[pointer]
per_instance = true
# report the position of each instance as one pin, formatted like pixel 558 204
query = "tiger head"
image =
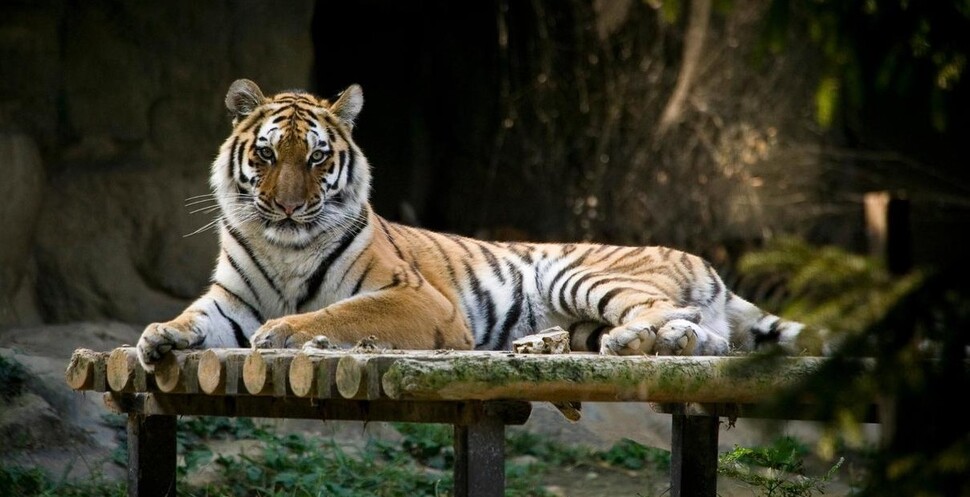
pixel 290 168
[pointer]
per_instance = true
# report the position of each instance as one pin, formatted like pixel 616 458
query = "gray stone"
pixel 112 246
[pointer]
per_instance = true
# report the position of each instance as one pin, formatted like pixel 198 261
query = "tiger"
pixel 304 257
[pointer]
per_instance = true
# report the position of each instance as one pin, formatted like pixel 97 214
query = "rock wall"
pixel 110 113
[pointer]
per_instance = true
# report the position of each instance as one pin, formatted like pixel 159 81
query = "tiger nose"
pixel 288 206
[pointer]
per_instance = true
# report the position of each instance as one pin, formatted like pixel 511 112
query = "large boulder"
pixel 22 192
pixel 115 112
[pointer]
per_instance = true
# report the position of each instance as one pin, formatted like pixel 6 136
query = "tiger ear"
pixel 243 97
pixel 349 104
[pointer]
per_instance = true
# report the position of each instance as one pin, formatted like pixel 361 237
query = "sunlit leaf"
pixel 826 101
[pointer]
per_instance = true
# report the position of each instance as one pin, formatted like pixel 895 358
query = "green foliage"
pixel 429 444
pixel 34 482
pixel 632 455
pixel 825 286
pixel 775 471
pixel 549 452
pixel 295 465
pixel 13 376
pixel 219 428
pixel 913 326
pixel 785 453
pixel 879 49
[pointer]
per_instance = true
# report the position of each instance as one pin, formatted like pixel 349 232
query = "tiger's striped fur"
pixel 302 254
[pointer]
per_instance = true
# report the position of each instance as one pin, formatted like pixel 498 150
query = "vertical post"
pixel 480 458
pixel 693 456
pixel 151 456
pixel 887 219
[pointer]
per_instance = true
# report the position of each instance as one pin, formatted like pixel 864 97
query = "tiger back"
pixel 302 256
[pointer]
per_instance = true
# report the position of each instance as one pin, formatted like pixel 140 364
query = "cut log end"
pixel 302 375
pixel 80 371
pixel 121 369
pixel 256 373
pixel 349 377
pixel 212 373
pixel 167 373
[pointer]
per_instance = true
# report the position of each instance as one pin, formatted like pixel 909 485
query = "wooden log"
pixel 220 371
pixel 121 367
pixel 313 374
pixel 178 373
pixel 591 377
pixel 86 370
pixel 358 376
pixel 265 372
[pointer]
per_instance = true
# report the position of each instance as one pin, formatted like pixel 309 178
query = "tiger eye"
pixel 265 153
pixel 317 155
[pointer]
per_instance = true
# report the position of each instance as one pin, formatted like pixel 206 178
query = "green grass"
pixel 292 465
pixel 417 465
pixel 34 482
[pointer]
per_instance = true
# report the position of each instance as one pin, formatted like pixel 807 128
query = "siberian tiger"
pixel 302 254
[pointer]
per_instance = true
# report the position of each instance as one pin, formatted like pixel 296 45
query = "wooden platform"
pixel 478 392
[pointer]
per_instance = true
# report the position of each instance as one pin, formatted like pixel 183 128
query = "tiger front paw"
pixel 677 337
pixel 633 339
pixel 279 334
pixel 159 338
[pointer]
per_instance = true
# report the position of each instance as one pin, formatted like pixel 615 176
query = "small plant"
pixel 776 470
pixel 631 455
pixel 429 444
pixel 549 452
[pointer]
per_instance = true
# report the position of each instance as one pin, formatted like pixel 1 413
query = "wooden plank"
pixel 510 413
pixel 477 375
pixel 693 456
pixel 595 378
pixel 151 456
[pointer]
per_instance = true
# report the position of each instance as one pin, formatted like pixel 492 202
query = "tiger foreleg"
pixel 217 319
pixel 182 332
pixel 399 318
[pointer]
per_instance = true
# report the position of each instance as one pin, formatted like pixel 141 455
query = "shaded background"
pixel 711 126
pixel 511 120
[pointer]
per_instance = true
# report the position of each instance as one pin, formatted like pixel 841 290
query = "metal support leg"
pixel 151 456
pixel 693 456
pixel 480 458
